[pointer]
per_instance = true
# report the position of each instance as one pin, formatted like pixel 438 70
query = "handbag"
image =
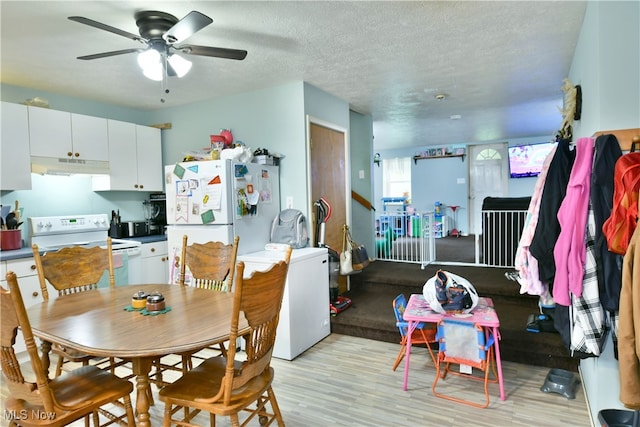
pixel 354 257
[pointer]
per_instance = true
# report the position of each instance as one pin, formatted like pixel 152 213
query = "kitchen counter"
pixel 26 252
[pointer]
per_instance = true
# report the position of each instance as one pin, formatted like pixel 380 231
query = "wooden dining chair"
pixel 424 333
pixel 464 344
pixel 71 270
pixel 224 386
pixel 77 394
pixel 210 266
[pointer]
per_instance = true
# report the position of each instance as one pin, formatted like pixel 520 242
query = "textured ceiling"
pixel 499 64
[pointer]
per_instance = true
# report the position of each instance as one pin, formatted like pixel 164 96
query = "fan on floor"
pixel 160 34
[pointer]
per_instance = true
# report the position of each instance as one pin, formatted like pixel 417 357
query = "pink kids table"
pixel 483 314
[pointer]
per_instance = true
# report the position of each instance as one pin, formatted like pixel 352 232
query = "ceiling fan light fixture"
pixel 180 65
pixel 149 58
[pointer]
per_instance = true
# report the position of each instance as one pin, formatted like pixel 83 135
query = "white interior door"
pixel 488 174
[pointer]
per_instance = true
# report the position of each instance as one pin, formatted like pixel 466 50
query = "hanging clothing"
pixel 602 187
pixel 570 250
pixel 525 263
pixel 548 227
pixel 620 225
pixel 629 325
pixel 587 315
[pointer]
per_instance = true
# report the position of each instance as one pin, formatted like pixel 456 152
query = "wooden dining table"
pixel 97 323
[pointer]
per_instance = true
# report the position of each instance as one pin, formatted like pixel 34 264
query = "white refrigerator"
pixel 218 199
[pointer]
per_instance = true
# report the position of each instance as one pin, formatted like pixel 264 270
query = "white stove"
pixel 55 232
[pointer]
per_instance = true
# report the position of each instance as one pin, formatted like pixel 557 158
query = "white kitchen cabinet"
pixel 149 158
pixel 304 315
pixel 135 158
pixel 27 275
pixel 89 137
pixel 60 134
pixel 155 262
pixel 15 160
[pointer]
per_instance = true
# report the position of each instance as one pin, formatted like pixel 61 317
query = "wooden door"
pixel 328 181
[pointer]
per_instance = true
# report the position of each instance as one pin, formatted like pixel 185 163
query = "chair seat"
pixel 71 354
pixel 204 381
pixel 87 387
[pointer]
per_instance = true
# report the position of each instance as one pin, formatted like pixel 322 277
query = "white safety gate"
pixel 404 237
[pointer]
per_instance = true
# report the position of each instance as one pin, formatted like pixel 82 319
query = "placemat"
pixel 146 312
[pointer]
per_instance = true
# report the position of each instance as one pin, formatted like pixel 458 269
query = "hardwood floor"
pixel 348 381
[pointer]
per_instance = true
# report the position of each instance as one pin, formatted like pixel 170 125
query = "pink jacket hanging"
pixel 570 251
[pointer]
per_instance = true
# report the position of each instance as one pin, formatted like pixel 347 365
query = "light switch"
pixel 361 174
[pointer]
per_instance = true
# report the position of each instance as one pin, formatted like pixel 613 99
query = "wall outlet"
pixel 289 202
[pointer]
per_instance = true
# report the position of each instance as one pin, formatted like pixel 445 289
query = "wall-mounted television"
pixel 526 160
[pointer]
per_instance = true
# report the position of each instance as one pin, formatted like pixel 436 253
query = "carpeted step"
pixel 371 314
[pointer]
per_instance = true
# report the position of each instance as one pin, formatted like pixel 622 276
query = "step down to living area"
pixel 371 314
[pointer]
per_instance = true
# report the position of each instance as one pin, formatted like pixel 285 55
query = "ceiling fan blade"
pixel 216 52
pixel 105 27
pixel 186 27
pixel 107 54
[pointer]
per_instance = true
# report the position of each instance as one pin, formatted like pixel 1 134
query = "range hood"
pixel 66 166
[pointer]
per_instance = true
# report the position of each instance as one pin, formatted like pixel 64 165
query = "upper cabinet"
pixel 15 167
pixel 135 158
pixel 61 134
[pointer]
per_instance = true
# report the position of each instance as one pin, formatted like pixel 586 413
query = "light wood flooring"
pixel 348 381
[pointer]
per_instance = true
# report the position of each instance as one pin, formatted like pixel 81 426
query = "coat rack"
pixel 626 137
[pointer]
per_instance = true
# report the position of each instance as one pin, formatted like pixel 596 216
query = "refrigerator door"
pixel 195 234
pixel 199 193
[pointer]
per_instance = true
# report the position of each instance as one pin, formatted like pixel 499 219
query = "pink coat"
pixel 570 250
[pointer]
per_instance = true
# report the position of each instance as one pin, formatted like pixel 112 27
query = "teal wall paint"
pixel 363 220
pixel 19 95
pixel 606 65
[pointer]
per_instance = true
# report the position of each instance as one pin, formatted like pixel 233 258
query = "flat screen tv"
pixel 526 160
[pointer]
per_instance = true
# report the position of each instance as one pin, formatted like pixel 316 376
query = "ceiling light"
pixel 151 64
pixel 456 117
pixel 180 65
pixel 440 97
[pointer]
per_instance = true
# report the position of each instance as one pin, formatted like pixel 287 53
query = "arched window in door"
pixel 488 154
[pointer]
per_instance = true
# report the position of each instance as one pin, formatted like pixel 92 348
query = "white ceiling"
pixel 500 64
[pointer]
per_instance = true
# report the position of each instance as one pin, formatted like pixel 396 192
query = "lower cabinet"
pixel 155 262
pixel 25 270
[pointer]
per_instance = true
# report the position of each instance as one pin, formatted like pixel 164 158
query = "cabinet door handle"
pixel 69 153
pixel 77 154
pixel 153 249
pixel 35 294
pixel 135 185
pixel 141 186
pixel 33 267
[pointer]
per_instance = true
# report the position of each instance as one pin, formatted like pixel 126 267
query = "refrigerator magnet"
pixel 207 217
pixel 179 171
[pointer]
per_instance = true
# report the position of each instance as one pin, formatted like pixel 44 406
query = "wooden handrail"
pixel 364 202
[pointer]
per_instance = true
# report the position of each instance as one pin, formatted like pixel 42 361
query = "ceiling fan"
pixel 161 33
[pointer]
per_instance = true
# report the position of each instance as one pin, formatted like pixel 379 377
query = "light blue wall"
pixel 60 102
pixel 438 180
pixel 363 219
pixel 270 118
pixel 606 65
